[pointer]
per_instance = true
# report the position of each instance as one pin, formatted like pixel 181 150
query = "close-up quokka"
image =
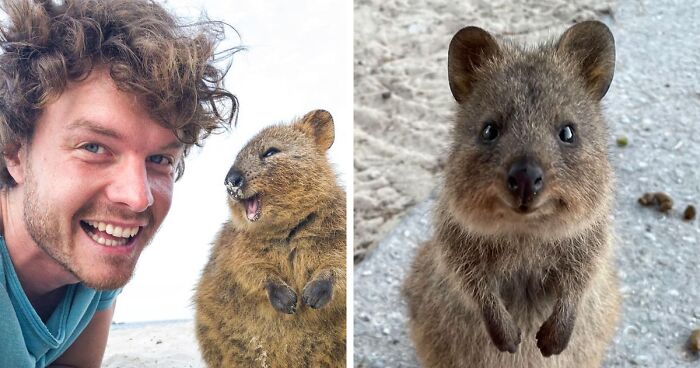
pixel 519 271
pixel 273 292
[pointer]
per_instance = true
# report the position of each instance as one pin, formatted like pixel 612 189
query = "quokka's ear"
pixel 469 49
pixel 592 45
pixel 318 124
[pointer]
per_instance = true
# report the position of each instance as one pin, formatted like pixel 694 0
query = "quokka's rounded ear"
pixel 592 45
pixel 318 124
pixel 469 49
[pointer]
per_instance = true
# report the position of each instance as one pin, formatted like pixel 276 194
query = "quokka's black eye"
pixel 489 133
pixel 566 134
pixel 270 151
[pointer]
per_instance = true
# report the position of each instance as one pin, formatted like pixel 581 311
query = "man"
pixel 100 100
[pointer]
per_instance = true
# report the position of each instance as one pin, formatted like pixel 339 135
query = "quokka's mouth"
pixel 520 208
pixel 253 207
pixel 525 209
pixel 534 209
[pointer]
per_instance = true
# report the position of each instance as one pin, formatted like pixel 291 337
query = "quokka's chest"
pixel 529 295
pixel 295 262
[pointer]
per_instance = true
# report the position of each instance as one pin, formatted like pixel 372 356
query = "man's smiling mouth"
pixel 108 234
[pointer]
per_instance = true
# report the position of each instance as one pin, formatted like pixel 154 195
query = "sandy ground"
pixel 159 344
pixel 403 104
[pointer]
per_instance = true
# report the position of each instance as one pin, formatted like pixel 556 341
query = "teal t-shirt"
pixel 25 340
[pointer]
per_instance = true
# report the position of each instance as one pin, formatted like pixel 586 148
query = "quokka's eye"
pixel 270 151
pixel 489 133
pixel 566 134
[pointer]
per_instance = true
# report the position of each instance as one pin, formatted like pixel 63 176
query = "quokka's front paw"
pixel 507 338
pixel 282 298
pixel 553 336
pixel 503 331
pixel 317 293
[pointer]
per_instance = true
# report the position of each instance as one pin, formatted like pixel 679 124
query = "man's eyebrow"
pixel 174 145
pixel 94 127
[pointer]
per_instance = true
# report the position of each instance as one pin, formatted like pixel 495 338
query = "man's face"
pixel 97 180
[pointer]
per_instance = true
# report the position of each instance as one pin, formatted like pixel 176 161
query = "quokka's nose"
pixel 525 180
pixel 234 178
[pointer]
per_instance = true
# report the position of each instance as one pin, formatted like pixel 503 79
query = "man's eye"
pixel 94 148
pixel 160 160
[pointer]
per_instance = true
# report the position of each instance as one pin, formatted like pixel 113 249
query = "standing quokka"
pixel 519 271
pixel 273 292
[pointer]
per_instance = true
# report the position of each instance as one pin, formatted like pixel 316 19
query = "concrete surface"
pixel 654 102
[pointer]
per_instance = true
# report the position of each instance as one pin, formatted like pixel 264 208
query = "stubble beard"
pixel 45 229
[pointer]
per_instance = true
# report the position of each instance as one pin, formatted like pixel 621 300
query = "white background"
pixel 298 58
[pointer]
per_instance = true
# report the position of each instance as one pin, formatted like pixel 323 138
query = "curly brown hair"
pixel 172 66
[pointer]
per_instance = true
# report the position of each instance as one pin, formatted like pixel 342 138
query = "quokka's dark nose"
pixel 234 178
pixel 525 180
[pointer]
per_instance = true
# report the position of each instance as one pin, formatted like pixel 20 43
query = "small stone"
pixel 386 95
pixel 694 341
pixel 622 141
pixel 642 360
pixel 689 213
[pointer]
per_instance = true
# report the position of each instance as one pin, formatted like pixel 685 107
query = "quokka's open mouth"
pixel 253 207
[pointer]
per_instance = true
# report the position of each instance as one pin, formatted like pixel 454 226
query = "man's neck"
pixel 42 278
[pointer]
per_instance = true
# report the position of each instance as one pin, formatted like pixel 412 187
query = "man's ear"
pixel 318 124
pixel 15 155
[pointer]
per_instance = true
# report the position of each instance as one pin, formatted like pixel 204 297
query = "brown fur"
pixel 297 244
pixel 496 287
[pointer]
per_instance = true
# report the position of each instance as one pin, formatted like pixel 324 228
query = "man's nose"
pixel 130 186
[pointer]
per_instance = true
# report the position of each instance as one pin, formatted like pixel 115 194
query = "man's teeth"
pixel 116 231
pixel 108 242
